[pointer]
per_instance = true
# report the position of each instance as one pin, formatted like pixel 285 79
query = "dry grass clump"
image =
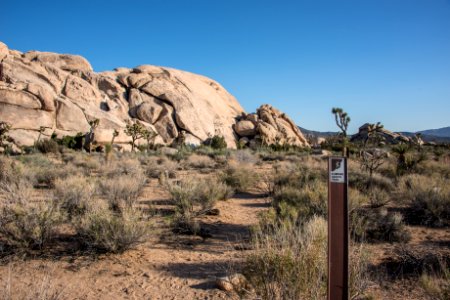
pixel 122 190
pixel 428 200
pixel 75 194
pixel 25 223
pixel 109 231
pixel 239 177
pixel 200 162
pixel 192 199
pixel 436 284
pixel 290 262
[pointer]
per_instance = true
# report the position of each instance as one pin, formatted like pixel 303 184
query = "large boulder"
pixel 62 93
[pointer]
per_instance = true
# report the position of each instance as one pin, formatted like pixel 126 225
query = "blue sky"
pixel 381 60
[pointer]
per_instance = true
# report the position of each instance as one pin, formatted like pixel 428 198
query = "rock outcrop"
pixel 388 136
pixel 268 126
pixel 61 94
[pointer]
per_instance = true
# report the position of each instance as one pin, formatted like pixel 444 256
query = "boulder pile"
pixel 44 93
pixel 268 126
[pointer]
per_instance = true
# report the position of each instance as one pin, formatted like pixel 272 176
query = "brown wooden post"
pixel 337 229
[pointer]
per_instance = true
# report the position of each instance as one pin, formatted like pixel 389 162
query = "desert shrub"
pixel 193 199
pixel 122 190
pixel 363 182
pixel 200 161
pixel 302 204
pixel 25 223
pixel 47 146
pixel 239 177
pixel 428 200
pixel 377 225
pixel 88 163
pixel 74 193
pixel 124 166
pixel 290 262
pixel 156 166
pixel 108 231
pixel 47 176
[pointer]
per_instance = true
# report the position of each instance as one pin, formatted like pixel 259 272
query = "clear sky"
pixel 381 60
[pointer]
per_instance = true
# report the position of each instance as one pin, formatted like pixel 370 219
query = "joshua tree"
pixel 370 157
pixel 342 119
pixel 89 138
pixel 109 147
pixel 136 130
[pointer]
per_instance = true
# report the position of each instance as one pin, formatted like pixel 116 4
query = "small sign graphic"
pixel 337 172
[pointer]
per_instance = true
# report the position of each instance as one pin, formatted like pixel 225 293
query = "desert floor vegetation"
pixel 169 223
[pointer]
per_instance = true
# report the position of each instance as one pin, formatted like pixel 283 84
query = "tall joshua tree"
pixel 136 131
pixel 342 119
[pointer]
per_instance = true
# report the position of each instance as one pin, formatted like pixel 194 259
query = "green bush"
pixel 218 142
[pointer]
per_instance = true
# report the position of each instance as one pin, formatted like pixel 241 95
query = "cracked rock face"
pixel 62 93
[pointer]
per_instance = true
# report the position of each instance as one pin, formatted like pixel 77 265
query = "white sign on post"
pixel 337 171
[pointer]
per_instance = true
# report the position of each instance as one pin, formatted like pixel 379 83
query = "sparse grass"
pixel 105 230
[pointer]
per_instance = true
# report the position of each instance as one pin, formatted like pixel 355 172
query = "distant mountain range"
pixel 441 135
pixel 441 132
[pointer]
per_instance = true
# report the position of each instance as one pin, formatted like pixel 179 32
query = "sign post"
pixel 337 229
